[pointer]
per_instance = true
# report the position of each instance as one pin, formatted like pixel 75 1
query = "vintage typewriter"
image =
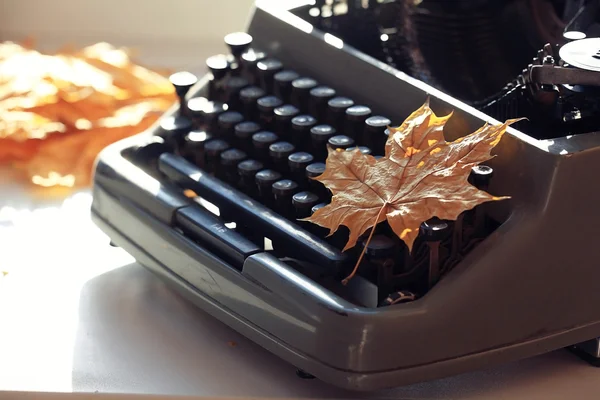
pixel 210 198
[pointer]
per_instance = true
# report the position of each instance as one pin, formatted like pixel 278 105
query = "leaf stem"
pixel 362 254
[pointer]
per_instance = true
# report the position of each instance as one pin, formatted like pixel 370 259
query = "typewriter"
pixel 210 198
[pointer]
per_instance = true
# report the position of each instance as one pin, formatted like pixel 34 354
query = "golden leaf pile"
pixel 421 176
pixel 58 111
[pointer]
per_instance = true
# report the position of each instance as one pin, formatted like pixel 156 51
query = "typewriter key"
pixel 300 134
pixel 213 150
pixel 243 134
pixel 248 64
pixel 283 191
pixel 363 149
pixel 301 88
pixel 282 84
pixel 205 113
pixel 227 122
pixel 233 86
pixel 183 82
pixel 312 171
pixel 297 163
pixel 247 171
pixel 229 162
pixel 340 142
pixel 173 130
pixel 264 181
pixel 261 142
pixel 355 119
pixel 266 107
pixel 320 134
pixel 336 110
pixel 279 152
pixel 218 66
pixel 266 70
pixel 248 97
pixel 374 133
pixel 317 102
pixel 238 43
pixel 283 119
pixel 193 147
pixel 433 232
pixel 303 203
pixel 480 176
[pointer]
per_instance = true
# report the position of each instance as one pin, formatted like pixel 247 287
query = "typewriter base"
pixel 353 380
pixel 588 351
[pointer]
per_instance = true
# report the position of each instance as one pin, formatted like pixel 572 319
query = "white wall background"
pixel 167 33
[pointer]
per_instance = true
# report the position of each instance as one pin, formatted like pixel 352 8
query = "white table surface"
pixel 77 315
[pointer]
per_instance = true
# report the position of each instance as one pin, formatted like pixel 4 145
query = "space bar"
pixel 298 243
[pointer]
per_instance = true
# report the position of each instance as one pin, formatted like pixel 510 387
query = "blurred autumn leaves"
pixel 57 111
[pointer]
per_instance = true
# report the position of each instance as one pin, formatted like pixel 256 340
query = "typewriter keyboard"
pixel 248 144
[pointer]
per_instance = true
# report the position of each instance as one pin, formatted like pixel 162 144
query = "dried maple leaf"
pixel 421 176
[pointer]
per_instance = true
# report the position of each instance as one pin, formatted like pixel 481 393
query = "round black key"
pixel 279 152
pixel 218 66
pixel 245 130
pixel 249 168
pixel 379 247
pixel 336 110
pixel 284 189
pixel 205 112
pixel 434 230
pixel 265 70
pixel 232 157
pixel 355 121
pixel 233 86
pixel 315 169
pixel 301 126
pixel 317 207
pixel 213 150
pixel 238 43
pixel 183 82
pixel 303 202
pixel 282 84
pixel 299 161
pixel 283 118
pixel 340 104
pixel 243 134
pixel 264 139
pixel 312 171
pixel 340 142
pixel 377 124
pixel 174 128
pixel 322 133
pixel 267 104
pixel 265 180
pixel 374 134
pixel 227 122
pixel 480 176
pixel 229 163
pixel 193 146
pixel 248 62
pixel 358 113
pixel 215 147
pixel 248 97
pixel 301 88
pixel 317 101
pixel 285 112
pixel 363 149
